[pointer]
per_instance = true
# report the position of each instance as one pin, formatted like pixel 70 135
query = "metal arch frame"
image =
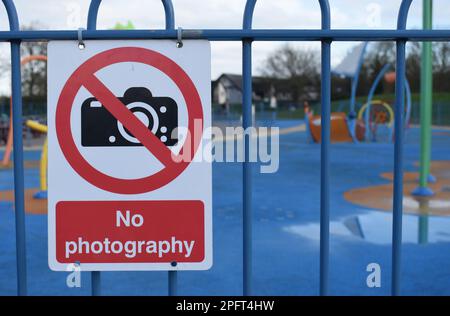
pixel 398 150
pixel 247 121
pixel 368 136
pixel 247 35
pixel 19 195
pixel 354 87
pixel 95 5
pixel 355 79
pixel 407 118
pixel 370 97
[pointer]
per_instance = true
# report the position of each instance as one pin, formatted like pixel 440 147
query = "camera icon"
pixel 99 128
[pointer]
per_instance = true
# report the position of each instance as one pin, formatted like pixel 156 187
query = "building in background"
pixel 227 92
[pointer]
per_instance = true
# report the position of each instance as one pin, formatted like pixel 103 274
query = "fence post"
pixel 398 151
pixel 92 25
pixel 170 25
pixel 325 152
pixel 247 122
pixel 19 202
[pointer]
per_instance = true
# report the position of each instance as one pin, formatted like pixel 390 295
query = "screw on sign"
pixel 110 100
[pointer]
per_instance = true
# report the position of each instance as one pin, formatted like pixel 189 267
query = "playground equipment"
pixel 42 194
pixel 9 140
pixel 374 120
pixel 426 102
pixel 381 115
pixel 9 143
pixel 339 128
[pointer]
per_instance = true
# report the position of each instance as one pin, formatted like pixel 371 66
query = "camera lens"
pixel 146 114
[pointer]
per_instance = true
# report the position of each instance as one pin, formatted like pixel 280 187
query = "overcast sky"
pixel 226 56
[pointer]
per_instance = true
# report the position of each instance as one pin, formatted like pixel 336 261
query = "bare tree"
pixel 34 73
pixel 441 67
pixel 379 54
pixel 413 65
pixel 299 67
pixel 442 57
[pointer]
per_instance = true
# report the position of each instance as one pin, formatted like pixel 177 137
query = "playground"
pixel 360 182
pixel 286 210
pixel 286 213
pixel 286 226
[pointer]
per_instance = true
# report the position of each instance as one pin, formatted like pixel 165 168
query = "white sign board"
pixel 129 166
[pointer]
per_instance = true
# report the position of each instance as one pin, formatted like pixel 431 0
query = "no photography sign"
pixel 127 120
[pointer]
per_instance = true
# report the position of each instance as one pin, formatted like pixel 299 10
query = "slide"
pixel 340 132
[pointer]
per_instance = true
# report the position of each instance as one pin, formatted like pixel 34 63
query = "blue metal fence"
pixel 246 35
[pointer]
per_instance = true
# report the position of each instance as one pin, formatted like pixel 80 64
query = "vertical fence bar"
pixel 398 151
pixel 92 14
pixel 95 283
pixel 325 152
pixel 19 202
pixel 172 286
pixel 92 25
pixel 247 122
pixel 170 24
pixel 169 14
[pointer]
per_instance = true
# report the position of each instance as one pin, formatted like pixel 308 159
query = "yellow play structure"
pixel 43 164
pixel 379 119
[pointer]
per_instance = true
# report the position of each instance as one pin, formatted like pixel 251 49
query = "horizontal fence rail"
pixel 312 35
pixel 246 35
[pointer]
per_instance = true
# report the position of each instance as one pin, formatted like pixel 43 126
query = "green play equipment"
pixel 120 26
pixel 426 102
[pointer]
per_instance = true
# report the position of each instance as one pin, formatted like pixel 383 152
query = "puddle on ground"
pixel 409 202
pixel 376 228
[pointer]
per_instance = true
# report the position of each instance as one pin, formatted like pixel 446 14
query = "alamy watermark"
pixel 231 144
pixel 373 11
pixel 73 279
pixel 74 16
pixel 374 278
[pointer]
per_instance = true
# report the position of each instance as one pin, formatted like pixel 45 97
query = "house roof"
pixel 258 82
pixel 236 80
pixel 261 85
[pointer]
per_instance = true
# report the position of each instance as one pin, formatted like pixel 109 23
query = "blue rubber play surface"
pixel 285 232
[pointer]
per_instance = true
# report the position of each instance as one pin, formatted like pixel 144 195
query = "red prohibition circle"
pixel 78 79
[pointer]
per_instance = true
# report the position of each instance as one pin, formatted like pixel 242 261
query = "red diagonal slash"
pixel 128 119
